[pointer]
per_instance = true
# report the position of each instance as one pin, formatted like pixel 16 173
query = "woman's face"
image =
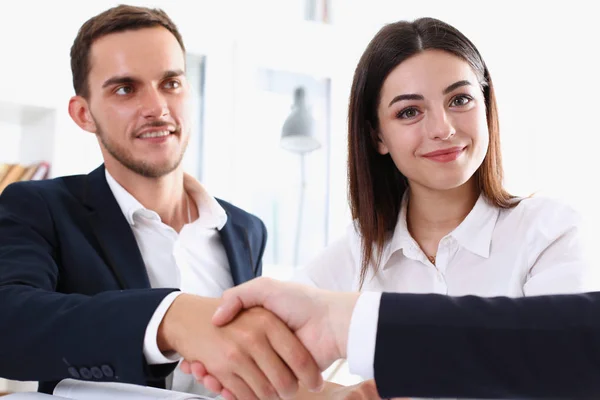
pixel 432 120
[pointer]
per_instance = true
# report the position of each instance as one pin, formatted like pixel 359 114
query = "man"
pixel 435 345
pixel 89 264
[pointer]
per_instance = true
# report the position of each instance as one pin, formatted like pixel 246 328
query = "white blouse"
pixel 534 248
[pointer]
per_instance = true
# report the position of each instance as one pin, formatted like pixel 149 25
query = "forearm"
pixel 496 348
pixel 51 332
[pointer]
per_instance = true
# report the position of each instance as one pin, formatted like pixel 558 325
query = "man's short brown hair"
pixel 116 19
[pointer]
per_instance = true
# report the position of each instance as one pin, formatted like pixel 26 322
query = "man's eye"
pixel 173 84
pixel 123 90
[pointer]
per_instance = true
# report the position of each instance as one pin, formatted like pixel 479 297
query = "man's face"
pixel 139 100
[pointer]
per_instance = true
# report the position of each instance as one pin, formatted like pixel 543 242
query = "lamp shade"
pixel 297 134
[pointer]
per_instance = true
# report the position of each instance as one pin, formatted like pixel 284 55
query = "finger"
pixel 227 395
pixel 246 375
pixel 248 295
pixel 254 377
pixel 212 384
pixel 185 367
pixel 229 308
pixel 239 389
pixel 295 356
pixel 274 368
pixel 198 369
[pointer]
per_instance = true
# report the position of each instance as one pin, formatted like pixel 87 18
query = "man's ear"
pixel 79 111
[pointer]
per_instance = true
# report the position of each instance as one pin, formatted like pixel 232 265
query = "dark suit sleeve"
pixel 263 244
pixel 535 347
pixel 46 335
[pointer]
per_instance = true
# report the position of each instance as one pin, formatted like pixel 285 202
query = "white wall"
pixel 10 137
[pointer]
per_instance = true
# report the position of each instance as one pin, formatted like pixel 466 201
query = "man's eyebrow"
pixel 119 80
pixel 126 79
pixel 173 73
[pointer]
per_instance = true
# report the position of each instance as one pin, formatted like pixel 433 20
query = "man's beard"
pixel 140 167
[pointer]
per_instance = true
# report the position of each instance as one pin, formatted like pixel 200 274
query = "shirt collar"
pixel 401 238
pixel 211 214
pixel 128 204
pixel 474 233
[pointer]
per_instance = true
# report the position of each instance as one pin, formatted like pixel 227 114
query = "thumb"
pixel 248 295
pixel 229 308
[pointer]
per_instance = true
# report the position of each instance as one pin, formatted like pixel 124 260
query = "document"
pixel 32 396
pixel 71 389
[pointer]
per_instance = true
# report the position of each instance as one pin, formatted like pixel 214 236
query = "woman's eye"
pixel 408 113
pixel 461 100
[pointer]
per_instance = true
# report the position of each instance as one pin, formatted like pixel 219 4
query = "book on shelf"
pixel 10 173
pixel 71 389
pixel 3 170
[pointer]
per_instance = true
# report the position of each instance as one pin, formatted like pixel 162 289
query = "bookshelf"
pixel 27 133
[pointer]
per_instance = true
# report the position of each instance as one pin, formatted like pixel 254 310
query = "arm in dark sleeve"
pixel 48 336
pixel 470 347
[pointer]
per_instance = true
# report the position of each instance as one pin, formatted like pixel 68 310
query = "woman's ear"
pixel 378 140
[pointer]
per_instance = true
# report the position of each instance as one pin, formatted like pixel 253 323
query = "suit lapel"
pixel 119 247
pixel 237 247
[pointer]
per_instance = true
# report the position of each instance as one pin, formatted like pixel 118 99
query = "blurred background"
pixel 271 81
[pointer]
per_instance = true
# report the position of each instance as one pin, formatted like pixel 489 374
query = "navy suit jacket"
pixel 75 298
pixel 471 347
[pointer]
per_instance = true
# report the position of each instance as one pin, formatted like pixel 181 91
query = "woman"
pixel 425 184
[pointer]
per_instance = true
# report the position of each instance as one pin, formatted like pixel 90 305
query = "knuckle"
pixel 251 338
pixel 301 358
pixel 217 371
pixel 233 354
pixel 286 383
pixel 268 323
pixel 267 391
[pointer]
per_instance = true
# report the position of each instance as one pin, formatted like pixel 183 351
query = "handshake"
pixel 265 339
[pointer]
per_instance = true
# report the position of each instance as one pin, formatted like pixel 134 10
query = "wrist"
pixel 341 307
pixel 166 337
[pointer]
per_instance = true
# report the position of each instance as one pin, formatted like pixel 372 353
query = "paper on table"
pixel 32 396
pixel 83 390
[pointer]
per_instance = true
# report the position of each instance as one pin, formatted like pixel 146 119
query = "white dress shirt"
pixel 193 260
pixel 534 248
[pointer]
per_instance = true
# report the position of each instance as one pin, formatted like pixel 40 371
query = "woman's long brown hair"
pixel 375 185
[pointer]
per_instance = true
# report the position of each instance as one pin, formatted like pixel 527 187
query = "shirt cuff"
pixel 363 334
pixel 151 351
